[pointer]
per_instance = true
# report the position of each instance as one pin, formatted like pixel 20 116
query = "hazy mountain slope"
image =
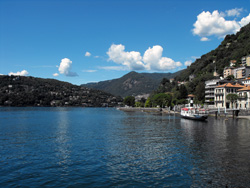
pixel 132 83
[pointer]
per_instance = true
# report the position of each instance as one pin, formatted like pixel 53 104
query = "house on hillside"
pixel 245 61
pixel 233 63
pixel 191 77
pixel 228 71
pixel 241 72
pixel 221 93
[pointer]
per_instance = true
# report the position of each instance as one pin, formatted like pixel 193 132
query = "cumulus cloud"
pixel 244 21
pixel 234 12
pixel 208 24
pixel 188 63
pixel 205 39
pixel 55 74
pixel 151 60
pixel 87 54
pixel 65 68
pixel 131 59
pixel 22 73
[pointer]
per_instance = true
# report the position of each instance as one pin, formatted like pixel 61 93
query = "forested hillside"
pixel 233 47
pixel 30 91
pixel 132 83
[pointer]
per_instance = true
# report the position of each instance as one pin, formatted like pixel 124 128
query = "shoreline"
pixel 166 111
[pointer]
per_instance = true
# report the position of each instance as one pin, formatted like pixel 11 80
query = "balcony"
pixel 219 94
pixel 209 96
pixel 209 91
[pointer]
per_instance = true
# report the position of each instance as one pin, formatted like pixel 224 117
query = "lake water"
pixel 104 147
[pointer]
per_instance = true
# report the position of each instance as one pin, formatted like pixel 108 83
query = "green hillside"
pixel 30 91
pixel 132 83
pixel 233 47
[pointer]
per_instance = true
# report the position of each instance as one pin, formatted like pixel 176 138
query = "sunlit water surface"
pixel 104 147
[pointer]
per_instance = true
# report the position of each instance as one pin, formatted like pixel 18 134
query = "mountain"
pixel 30 91
pixel 132 84
pixel 233 47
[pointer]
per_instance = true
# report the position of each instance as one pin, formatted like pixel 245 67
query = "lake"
pixel 104 147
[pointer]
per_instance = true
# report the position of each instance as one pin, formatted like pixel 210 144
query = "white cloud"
pixel 55 74
pixel 154 60
pixel 188 63
pixel 87 54
pixel 132 59
pixel 116 68
pixel 1 74
pixel 22 73
pixel 151 60
pixel 89 70
pixel 205 39
pixel 65 68
pixel 234 12
pixel 214 23
pixel 244 21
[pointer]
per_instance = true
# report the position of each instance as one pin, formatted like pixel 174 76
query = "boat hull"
pixel 195 117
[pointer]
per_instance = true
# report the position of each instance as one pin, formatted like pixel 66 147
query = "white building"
pixel 246 81
pixel 244 97
pixel 221 93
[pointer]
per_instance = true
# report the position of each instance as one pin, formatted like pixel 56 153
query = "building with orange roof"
pixel 244 97
pixel 222 91
pixel 246 81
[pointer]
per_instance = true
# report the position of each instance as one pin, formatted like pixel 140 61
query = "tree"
pixel 129 101
pixel 138 104
pixel 200 91
pixel 232 98
pixel 148 102
pixel 230 77
pixel 162 99
pixel 182 92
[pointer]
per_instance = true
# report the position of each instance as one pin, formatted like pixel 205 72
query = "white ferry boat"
pixel 194 113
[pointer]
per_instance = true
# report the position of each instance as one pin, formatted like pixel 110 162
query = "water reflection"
pixel 62 140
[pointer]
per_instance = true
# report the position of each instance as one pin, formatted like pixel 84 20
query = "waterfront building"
pixel 210 85
pixel 244 97
pixel 221 93
pixel 246 81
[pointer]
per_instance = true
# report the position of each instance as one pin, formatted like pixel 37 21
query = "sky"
pixel 82 41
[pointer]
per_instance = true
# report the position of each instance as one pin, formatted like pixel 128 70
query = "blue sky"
pixel 81 41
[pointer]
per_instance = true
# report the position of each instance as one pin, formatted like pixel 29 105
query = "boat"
pixel 194 113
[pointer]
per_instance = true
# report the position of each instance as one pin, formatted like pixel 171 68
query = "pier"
pixel 232 112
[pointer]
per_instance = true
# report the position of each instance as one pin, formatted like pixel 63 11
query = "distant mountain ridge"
pixel 132 84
